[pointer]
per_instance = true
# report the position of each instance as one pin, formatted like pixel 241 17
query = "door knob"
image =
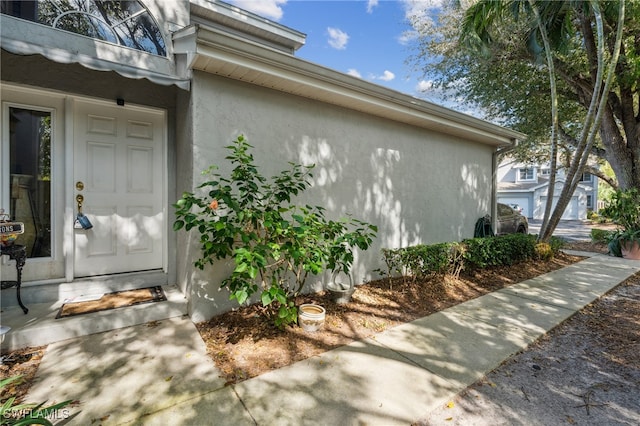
pixel 79 185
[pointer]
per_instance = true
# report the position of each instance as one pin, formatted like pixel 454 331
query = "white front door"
pixel 119 171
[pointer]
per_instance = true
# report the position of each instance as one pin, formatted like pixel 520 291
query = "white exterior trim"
pixel 62 155
pixel 216 51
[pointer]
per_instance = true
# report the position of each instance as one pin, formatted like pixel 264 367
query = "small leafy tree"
pixel 274 243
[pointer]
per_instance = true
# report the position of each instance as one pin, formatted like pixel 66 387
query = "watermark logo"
pixel 37 413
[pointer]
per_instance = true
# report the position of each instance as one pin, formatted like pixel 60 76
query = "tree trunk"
pixel 620 154
pixel 592 123
pixel 554 120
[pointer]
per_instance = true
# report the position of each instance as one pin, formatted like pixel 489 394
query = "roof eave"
pixel 217 52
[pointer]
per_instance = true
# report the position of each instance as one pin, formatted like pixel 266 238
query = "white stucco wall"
pixel 169 18
pixel 415 185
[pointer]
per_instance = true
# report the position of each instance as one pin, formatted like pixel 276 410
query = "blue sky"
pixel 370 39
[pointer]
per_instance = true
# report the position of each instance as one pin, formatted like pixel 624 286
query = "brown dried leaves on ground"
pixel 23 362
pixel 245 344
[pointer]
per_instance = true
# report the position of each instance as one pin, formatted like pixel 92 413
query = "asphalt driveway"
pixel 570 230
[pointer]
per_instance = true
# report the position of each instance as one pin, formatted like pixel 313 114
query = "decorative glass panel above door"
pixel 124 22
pixel 30 177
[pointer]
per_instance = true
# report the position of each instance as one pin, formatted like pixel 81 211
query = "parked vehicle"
pixel 516 207
pixel 511 221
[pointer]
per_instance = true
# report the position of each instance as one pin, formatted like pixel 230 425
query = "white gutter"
pixel 216 51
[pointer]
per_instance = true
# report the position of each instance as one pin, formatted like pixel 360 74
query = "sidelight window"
pixel 30 139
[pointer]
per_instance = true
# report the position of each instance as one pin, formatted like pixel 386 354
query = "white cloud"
pixel 419 7
pixel 420 12
pixel 270 9
pixel 424 86
pixel 337 38
pixel 354 72
pixel 386 76
pixel 371 4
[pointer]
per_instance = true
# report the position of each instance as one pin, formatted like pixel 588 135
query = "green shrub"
pixel 393 261
pixel 600 235
pixel 499 251
pixel 624 209
pixel 274 243
pixel 422 261
pixel 543 251
pixel 556 244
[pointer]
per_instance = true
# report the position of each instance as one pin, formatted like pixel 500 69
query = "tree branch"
pixel 598 173
pixel 572 142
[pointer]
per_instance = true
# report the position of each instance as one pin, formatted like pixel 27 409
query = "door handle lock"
pixel 79 201
pixel 81 222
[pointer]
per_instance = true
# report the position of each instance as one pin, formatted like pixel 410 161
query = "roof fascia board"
pixel 214 51
pixel 245 22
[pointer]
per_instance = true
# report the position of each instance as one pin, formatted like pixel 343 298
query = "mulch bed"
pixel 245 344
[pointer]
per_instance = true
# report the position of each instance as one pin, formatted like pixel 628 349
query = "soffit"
pixel 215 51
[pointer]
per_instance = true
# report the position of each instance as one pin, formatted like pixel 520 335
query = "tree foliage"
pixel 503 73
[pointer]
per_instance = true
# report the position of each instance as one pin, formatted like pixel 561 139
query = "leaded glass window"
pixel 124 22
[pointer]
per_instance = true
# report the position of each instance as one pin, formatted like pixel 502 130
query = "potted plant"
pixel 340 256
pixel 340 291
pixel 624 210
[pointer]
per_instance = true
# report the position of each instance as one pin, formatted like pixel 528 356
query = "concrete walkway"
pixel 159 373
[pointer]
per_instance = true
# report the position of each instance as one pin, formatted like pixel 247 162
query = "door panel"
pixel 118 157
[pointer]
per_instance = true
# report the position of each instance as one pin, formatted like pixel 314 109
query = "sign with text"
pixel 8 228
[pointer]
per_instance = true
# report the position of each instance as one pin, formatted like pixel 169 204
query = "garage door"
pixel 570 213
pixel 522 202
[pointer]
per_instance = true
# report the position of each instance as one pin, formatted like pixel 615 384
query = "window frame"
pixel 5 174
pixel 582 177
pixel 526 170
pixel 144 11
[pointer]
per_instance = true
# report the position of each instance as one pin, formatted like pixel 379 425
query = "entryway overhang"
pixel 22 37
pixel 216 51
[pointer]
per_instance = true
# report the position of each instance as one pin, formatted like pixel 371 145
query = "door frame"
pixel 63 203
pixel 72 113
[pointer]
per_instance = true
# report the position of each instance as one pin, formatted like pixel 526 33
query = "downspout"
pixel 494 181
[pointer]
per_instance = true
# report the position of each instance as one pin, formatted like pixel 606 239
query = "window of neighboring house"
pixel 525 174
pixel 590 202
pixel 586 177
pixel 127 23
pixel 545 172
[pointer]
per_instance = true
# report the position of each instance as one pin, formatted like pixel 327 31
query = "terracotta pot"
pixel 630 249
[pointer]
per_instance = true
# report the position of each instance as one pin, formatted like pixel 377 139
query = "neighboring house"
pixel 127 115
pixel 527 186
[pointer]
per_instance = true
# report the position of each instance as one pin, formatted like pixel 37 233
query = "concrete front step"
pixel 40 326
pixel 49 292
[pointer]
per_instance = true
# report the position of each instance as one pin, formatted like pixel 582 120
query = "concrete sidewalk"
pixel 159 373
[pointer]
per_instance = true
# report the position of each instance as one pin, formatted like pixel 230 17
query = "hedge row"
pixel 423 261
